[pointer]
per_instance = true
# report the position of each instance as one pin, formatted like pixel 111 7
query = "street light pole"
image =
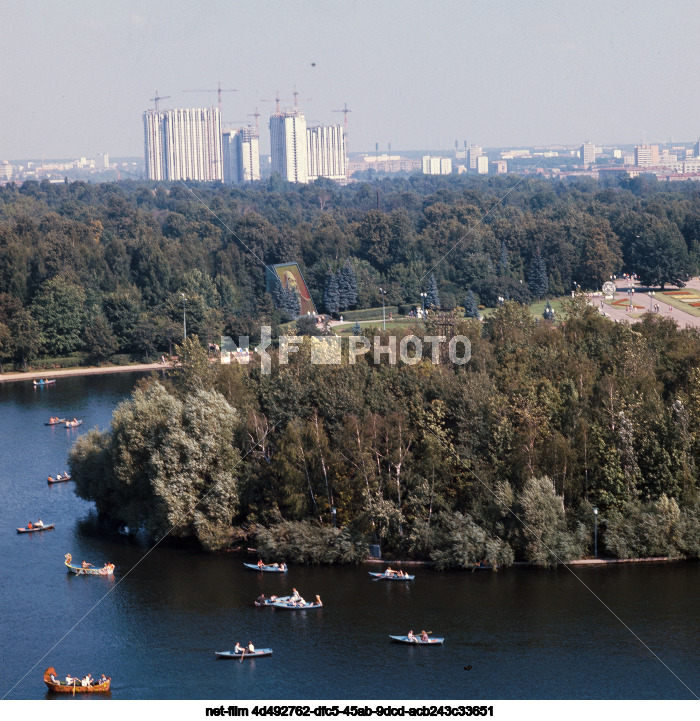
pixel 383 311
pixel 651 302
pixel 184 316
pixel 595 517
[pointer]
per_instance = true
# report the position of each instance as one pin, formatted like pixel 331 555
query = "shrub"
pixel 309 542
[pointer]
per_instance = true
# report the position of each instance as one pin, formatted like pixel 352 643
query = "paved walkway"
pixel 620 315
pixel 62 372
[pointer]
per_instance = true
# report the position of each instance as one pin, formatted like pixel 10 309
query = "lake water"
pixel 527 634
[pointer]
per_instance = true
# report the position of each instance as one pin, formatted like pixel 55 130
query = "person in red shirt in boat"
pixel 260 563
pixel 29 525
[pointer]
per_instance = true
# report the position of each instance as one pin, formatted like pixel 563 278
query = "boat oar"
pixel 241 658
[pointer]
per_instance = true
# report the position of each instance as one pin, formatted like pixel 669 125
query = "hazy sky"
pixel 78 74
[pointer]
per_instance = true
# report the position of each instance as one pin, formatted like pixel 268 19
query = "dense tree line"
pixel 502 458
pixel 102 268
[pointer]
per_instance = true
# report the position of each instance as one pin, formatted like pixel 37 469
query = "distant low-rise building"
pixel 500 167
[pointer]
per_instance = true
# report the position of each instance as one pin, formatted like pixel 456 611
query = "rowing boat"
pixel 417 641
pixel 289 604
pixel 35 529
pixel 390 577
pixel 270 601
pixel 76 687
pixel 73 424
pixel 57 422
pixel 106 570
pixel 266 569
pixel 247 654
pixel 47 382
pixel 59 479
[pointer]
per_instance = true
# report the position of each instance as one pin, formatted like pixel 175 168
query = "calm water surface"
pixel 527 634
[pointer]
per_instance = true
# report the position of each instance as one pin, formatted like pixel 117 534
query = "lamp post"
pixel 651 302
pixel 423 296
pixel 383 293
pixel 184 316
pixel 595 520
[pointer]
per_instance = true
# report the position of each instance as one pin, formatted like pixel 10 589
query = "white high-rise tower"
pixel 288 146
pixel 241 155
pixel 183 144
pixel 326 152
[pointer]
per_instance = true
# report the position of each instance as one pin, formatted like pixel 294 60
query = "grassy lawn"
pixel 670 300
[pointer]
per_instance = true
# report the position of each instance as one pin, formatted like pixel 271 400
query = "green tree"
pixel 659 257
pixel 432 299
pixel 5 344
pixel 471 305
pixel 26 337
pixel 537 277
pixel 347 287
pixel 100 342
pixel 167 465
pixel 59 308
pixel 331 294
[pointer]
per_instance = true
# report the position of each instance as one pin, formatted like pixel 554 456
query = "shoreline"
pixel 527 564
pixel 15 376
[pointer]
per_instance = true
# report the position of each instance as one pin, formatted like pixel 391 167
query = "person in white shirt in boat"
pixel 55 680
pixel 39 523
pixel 250 648
pixel 411 636
pixel 239 648
pixel 389 572
pixel 295 594
pixel 69 680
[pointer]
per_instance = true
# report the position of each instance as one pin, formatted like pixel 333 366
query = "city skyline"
pixel 496 74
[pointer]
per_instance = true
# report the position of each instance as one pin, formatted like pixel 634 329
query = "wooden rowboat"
pixel 417 641
pixel 35 529
pixel 270 602
pixel 106 570
pixel 73 424
pixel 266 569
pixel 58 479
pixel 73 688
pixel 57 422
pixel 289 604
pixel 247 654
pixel 390 577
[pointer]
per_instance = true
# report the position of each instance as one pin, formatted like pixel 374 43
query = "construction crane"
pixel 277 102
pixel 295 93
pixel 345 110
pixel 255 115
pixel 157 99
pixel 218 90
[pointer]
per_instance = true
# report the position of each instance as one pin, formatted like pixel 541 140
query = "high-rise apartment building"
pixel 473 152
pixel 326 152
pixel 587 153
pixel 183 144
pixel 435 165
pixel 646 155
pixel 241 155
pixel 482 165
pixel 288 145
pixel 696 149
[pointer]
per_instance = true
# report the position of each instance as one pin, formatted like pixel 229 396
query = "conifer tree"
pixel 331 294
pixel 433 298
pixel 347 287
pixel 292 304
pixel 471 305
pixel 357 328
pixel 537 277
